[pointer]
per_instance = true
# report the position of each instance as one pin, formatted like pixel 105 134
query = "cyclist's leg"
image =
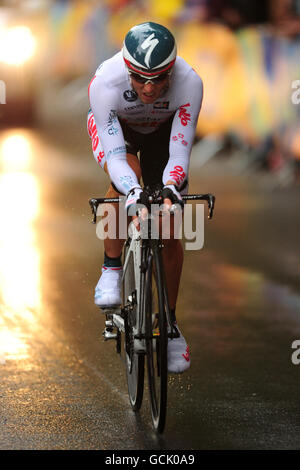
pixel 173 262
pixel 173 252
pixel 154 157
pixel 152 171
pixel 108 288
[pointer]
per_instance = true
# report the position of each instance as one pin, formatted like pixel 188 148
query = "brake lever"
pixel 211 204
pixel 94 206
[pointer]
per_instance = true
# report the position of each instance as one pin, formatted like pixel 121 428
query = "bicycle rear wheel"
pixel 156 339
pixel 134 362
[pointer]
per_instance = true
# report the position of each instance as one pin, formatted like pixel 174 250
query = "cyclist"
pixel 145 99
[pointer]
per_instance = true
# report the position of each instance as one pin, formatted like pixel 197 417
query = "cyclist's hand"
pixel 171 197
pixel 134 205
pixel 132 198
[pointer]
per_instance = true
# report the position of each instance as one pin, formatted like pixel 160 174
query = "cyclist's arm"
pixel 183 131
pixel 104 102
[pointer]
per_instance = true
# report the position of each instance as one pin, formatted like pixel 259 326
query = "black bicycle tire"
pixel 135 380
pixel 158 404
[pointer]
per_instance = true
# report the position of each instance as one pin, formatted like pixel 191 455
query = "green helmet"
pixel 149 49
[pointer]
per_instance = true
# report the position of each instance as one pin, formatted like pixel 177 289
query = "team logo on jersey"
pixel 135 107
pixel 161 105
pixel 184 116
pixel 112 121
pixel 177 174
pixel 130 95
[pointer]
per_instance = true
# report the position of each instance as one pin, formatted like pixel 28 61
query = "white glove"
pixel 132 197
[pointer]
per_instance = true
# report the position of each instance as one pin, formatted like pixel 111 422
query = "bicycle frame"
pixel 135 250
pixel 135 317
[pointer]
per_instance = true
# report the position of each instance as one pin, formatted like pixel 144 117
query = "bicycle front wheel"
pixel 156 339
pixel 134 362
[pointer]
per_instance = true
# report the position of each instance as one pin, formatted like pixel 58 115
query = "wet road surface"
pixel 62 387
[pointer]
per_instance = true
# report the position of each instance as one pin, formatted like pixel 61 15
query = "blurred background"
pixel 247 54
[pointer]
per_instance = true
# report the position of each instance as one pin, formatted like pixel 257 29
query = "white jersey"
pixel 112 99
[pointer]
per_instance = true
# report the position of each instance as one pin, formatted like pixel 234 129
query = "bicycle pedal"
pixel 108 334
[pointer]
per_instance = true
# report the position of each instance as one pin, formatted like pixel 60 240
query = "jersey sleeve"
pixel 103 102
pixel 183 130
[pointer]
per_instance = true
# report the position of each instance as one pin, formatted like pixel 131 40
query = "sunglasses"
pixel 141 79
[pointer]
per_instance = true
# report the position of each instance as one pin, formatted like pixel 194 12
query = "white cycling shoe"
pixel 178 354
pixel 108 289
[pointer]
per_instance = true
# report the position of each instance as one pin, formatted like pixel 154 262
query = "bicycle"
pixel 144 316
